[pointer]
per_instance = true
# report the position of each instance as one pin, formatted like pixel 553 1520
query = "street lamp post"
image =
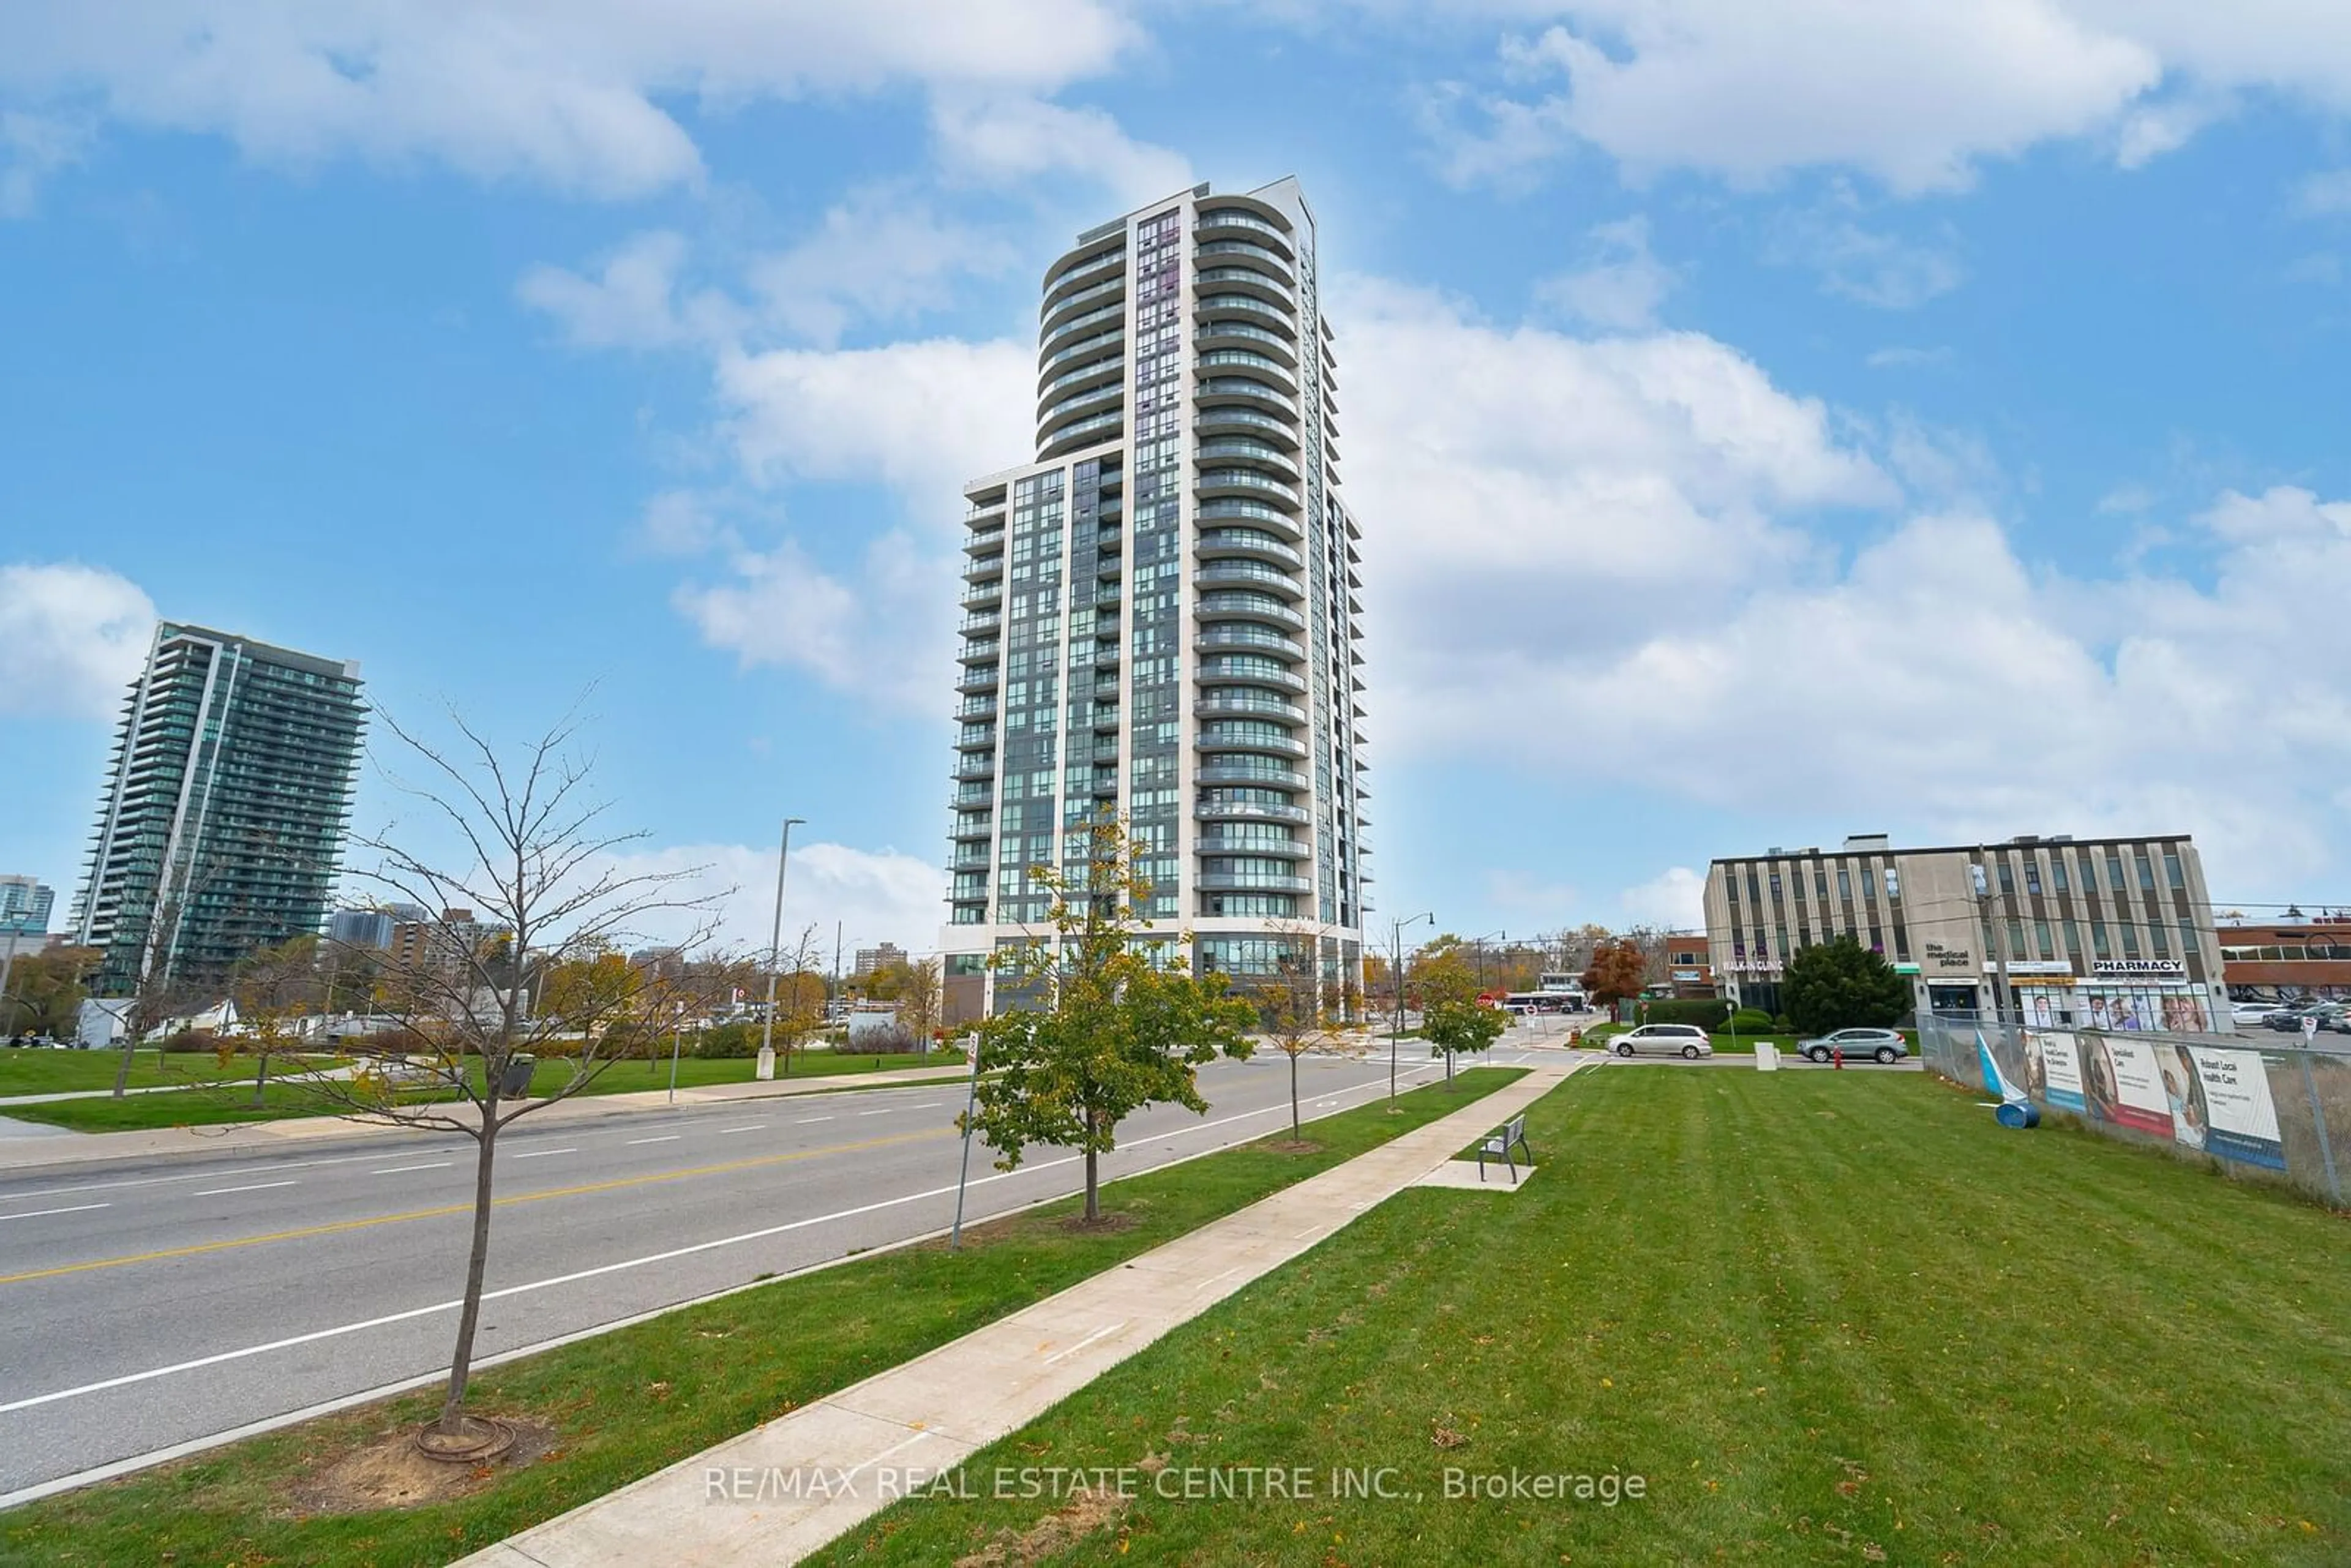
pixel 1395 976
pixel 775 951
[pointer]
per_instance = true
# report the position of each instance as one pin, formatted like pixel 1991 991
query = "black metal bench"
pixel 1499 1144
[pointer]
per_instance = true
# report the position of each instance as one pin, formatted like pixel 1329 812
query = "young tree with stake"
pixel 532 858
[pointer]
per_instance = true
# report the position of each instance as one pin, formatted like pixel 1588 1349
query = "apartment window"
pixel 2189 940
pixel 2057 872
pixel 2032 876
pixel 2098 946
pixel 2158 938
pixel 2173 872
pixel 2130 940
pixel 2006 878
pixel 2015 938
pixel 1844 884
pixel 1821 884
pixel 2115 870
pixel 2073 939
pixel 1893 882
pixel 2040 939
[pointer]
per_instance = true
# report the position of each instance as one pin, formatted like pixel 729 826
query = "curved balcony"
pixel 1229 221
pixel 1246 449
pixel 1263 745
pixel 1110 367
pixel 1216 705
pixel 1282 849
pixel 1232 604
pixel 1063 333
pixel 982 738
pixel 1233 416
pixel 1078 405
pixel 1254 544
pixel 976 767
pixel 1223 332
pixel 1279 522
pixel 1225 253
pixel 1093 250
pixel 982 679
pixel 1245 639
pixel 1249 574
pixel 1249 361
pixel 1249 812
pixel 1085 433
pixel 1241 773
pixel 1251 881
pixel 1085 272
pixel 1246 278
pixel 1094 345
pixel 1225 388
pixel 1245 482
pixel 1055 311
pixel 1249 308
pixel 1227 670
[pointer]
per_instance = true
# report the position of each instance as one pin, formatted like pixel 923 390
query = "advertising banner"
pixel 2223 1105
pixel 2123 1084
pixel 2052 1070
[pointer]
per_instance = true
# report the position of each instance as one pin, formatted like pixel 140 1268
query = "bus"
pixel 1544 1002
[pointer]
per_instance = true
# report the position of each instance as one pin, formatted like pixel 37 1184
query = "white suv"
pixel 1684 1040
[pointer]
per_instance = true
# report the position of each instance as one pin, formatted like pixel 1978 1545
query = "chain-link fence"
pixel 2274 1111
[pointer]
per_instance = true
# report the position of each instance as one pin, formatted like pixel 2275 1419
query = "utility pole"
pixel 2003 993
pixel 775 950
pixel 1395 975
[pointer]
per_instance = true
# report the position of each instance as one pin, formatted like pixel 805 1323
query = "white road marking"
pixel 927 1105
pixel 882 1112
pixel 428 1165
pixel 200 1175
pixel 257 1186
pixel 664 1138
pixel 314 1337
pixel 1106 1329
pixel 810 1121
pixel 752 1127
pixel 542 1154
pixel 76 1209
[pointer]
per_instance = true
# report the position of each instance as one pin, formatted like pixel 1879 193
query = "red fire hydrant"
pixel 1836 1056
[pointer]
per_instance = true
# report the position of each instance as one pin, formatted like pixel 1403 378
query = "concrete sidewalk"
pixel 850 1451
pixel 250 1137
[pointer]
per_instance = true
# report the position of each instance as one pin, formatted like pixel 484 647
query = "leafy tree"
pixel 274 986
pixel 919 988
pixel 1840 984
pixel 1619 968
pixel 1115 1024
pixel 1290 1009
pixel 46 990
pixel 1452 1026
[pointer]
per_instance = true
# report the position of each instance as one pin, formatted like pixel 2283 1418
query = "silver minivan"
pixel 1684 1040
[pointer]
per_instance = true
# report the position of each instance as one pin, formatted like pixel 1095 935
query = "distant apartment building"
pixel 362 928
pixel 443 945
pixel 24 906
pixel 887 957
pixel 1162 617
pixel 1690 965
pixel 222 823
pixel 2279 960
pixel 2097 932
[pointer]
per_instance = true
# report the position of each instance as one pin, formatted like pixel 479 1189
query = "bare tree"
pixel 800 992
pixel 1294 1010
pixel 158 993
pixel 275 987
pixel 533 858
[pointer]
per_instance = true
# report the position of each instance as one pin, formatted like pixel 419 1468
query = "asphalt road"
pixel 157 1303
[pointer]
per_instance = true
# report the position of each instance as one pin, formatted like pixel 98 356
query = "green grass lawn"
pixel 232 1099
pixel 1825 1319
pixel 27 1071
pixel 629 1402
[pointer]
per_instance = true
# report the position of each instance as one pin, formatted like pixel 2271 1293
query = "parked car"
pixel 2288 1019
pixel 1684 1040
pixel 2251 1012
pixel 1877 1044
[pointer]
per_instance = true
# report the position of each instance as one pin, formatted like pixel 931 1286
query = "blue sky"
pixel 1917 419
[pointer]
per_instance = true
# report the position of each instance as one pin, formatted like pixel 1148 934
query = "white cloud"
pixel 1899 357
pixel 71 637
pixel 887 631
pixel 631 302
pixel 921 417
pixel 880 257
pixel 874 896
pixel 1916 93
pixel 1621 285
pixel 32 148
pixel 1674 900
pixel 1006 141
pixel 1873 268
pixel 572 95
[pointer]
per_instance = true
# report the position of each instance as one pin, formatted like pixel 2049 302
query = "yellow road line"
pixel 343 1225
